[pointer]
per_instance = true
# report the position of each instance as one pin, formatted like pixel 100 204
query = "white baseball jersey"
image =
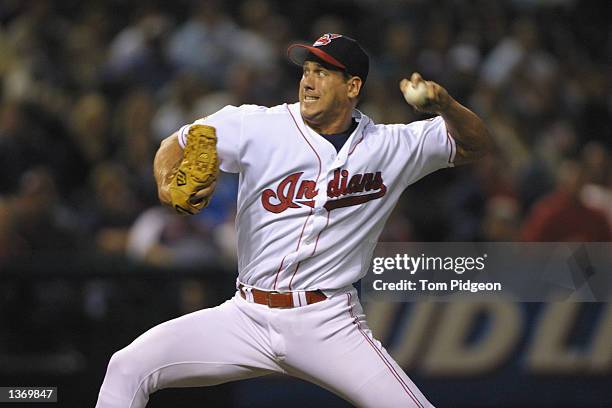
pixel 309 217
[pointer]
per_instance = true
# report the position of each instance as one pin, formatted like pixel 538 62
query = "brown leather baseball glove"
pixel 198 170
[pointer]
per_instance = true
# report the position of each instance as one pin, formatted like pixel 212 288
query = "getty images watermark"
pixel 490 271
pixel 412 265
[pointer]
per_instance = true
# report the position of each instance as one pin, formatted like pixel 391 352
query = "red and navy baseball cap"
pixel 336 51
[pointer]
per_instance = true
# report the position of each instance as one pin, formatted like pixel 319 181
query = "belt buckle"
pixel 271 303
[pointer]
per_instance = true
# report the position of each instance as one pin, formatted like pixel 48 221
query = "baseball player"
pixel 318 180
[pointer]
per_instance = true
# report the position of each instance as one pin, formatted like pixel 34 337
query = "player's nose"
pixel 307 87
pixel 307 82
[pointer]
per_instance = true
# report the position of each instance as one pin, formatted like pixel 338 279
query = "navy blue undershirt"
pixel 339 139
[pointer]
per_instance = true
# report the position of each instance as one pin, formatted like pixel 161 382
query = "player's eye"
pixel 319 72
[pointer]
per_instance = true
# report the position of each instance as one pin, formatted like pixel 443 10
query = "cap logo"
pixel 326 39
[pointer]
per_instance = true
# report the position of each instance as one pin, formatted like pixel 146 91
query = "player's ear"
pixel 354 86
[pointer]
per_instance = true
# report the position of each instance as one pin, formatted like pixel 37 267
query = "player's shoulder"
pixel 404 129
pixel 232 113
pixel 249 109
pixel 282 109
pixel 238 110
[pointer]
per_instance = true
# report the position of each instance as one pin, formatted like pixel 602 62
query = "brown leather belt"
pixel 281 299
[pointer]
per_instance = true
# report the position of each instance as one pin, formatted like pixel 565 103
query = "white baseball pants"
pixel 327 343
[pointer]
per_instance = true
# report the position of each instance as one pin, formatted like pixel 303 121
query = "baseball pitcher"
pixel 318 180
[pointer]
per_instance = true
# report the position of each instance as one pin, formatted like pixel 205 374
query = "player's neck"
pixel 339 124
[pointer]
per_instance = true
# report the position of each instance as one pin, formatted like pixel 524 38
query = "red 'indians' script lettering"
pixel 341 185
pixel 285 194
pixel 344 191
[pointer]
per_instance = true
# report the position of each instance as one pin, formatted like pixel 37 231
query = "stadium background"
pixel 88 260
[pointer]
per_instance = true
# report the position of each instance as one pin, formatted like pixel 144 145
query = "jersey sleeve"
pixel 228 124
pixel 426 146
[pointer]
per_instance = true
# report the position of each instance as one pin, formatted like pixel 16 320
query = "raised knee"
pixel 123 364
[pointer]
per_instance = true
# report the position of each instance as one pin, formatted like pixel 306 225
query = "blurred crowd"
pixel 90 88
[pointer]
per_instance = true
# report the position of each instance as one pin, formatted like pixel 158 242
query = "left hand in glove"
pixel 194 181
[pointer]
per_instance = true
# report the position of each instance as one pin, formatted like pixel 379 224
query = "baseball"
pixel 416 96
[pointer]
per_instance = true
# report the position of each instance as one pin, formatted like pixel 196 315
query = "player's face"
pixel 324 94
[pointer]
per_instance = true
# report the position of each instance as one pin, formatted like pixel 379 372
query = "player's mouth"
pixel 310 98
